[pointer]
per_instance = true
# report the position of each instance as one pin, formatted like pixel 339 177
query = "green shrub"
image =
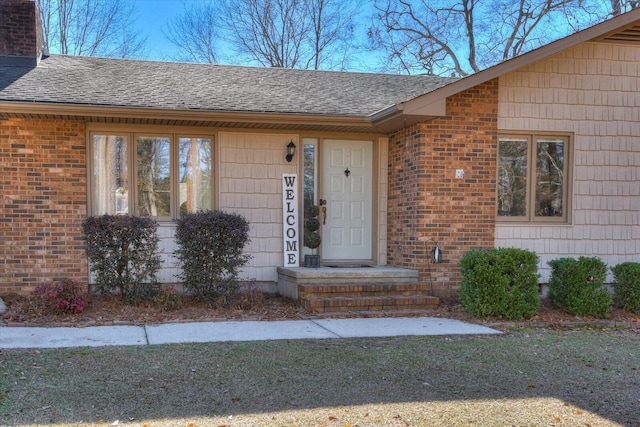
pixel 210 251
pixel 627 285
pixel 576 286
pixel 500 283
pixel 123 251
pixel 63 297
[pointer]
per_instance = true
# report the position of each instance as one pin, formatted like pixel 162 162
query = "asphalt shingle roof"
pixel 61 79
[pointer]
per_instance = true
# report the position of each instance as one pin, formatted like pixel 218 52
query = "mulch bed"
pixel 109 310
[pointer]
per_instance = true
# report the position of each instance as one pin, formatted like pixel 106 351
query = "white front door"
pixel 347 188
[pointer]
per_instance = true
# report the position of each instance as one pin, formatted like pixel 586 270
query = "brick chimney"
pixel 21 40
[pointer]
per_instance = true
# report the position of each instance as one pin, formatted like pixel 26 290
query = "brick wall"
pixel 42 202
pixel 20 29
pixel 427 201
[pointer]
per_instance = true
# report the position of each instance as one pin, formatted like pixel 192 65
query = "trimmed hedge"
pixel 500 283
pixel 576 286
pixel 123 251
pixel 210 251
pixel 627 285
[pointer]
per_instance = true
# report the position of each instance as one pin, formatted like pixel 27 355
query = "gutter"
pixel 89 113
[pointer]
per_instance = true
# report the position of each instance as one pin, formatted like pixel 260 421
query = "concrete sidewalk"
pixel 95 336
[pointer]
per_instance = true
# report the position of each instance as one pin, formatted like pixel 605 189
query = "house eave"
pixel 155 116
pixel 623 29
pixel 402 115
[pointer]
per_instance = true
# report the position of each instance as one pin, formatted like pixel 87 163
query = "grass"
pixel 524 378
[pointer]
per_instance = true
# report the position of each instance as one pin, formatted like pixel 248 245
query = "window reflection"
pixel 195 174
pixel 110 177
pixel 154 177
pixel 549 177
pixel 512 177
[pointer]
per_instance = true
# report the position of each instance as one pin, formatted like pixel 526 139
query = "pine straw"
pixel 109 310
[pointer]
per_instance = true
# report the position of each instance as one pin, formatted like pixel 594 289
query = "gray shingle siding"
pixel 91 81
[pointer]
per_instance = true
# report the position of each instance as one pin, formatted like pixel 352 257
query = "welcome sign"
pixel 290 219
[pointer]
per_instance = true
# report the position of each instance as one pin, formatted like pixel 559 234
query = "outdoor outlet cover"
pixel 459 173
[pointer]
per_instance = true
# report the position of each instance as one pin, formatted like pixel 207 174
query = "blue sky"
pixel 152 17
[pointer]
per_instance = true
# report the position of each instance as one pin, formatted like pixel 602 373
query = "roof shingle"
pixel 72 80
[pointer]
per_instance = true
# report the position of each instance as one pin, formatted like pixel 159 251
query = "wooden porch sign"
pixel 290 219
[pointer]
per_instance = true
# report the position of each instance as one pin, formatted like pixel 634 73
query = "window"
pixel 169 174
pixel 310 174
pixel 533 178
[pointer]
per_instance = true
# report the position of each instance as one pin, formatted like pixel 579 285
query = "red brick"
pixel 426 201
pixel 43 203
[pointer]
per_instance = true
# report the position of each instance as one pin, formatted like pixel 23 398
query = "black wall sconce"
pixel 291 151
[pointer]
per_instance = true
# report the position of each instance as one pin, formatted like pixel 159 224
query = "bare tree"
pixel 332 30
pixel 275 33
pixel 271 32
pixel 621 6
pixel 195 33
pixel 91 27
pixel 465 36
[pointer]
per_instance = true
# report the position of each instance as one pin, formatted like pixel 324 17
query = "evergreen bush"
pixel 312 237
pixel 210 251
pixel 123 251
pixel 576 286
pixel 500 283
pixel 627 285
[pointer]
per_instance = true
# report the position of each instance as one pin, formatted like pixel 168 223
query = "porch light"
pixel 291 151
pixel 436 253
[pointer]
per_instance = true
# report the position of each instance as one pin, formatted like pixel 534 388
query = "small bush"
pixel 63 297
pixel 312 237
pixel 249 296
pixel 500 283
pixel 210 251
pixel 123 251
pixel 627 285
pixel 576 286
pixel 168 298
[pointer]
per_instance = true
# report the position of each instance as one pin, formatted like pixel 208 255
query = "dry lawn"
pixel 521 378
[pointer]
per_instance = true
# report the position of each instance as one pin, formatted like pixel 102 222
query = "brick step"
pixel 373 314
pixel 370 303
pixel 360 289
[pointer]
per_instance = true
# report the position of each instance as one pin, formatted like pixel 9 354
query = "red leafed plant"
pixel 64 296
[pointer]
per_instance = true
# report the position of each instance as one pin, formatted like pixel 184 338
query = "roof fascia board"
pixel 44 109
pixel 416 105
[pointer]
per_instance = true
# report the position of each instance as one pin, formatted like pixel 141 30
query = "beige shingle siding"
pixel 591 90
pixel 251 168
pixel 169 271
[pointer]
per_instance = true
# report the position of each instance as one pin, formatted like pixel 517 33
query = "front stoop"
pixel 358 292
